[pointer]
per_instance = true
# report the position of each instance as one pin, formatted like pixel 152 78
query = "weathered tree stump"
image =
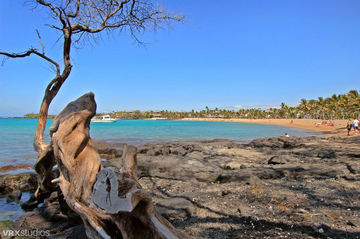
pixel 110 201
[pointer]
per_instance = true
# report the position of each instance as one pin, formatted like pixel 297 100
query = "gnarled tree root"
pixel 110 201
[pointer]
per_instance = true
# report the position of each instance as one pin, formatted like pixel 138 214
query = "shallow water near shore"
pixel 16 135
pixel 12 210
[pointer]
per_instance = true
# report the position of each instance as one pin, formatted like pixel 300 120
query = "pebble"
pixel 224 193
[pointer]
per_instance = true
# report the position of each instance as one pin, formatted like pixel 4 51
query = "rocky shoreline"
pixel 286 187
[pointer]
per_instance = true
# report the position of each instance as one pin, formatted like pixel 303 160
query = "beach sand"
pixel 339 128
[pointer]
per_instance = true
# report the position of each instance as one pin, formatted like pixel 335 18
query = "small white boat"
pixel 159 118
pixel 104 119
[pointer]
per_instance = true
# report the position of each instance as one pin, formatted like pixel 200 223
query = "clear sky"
pixel 234 52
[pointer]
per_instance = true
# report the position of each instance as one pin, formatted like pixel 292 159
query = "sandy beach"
pixel 339 128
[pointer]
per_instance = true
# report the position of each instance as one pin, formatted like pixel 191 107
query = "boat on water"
pixel 103 119
pixel 159 118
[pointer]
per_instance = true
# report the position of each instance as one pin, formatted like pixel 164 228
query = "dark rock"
pixel 23 182
pixel 35 221
pixel 13 196
pixel 224 193
pixel 335 138
pixel 165 151
pixel 30 204
pixel 291 142
pixel 53 198
pixel 175 208
pixel 142 150
pixel 268 173
pixel 352 155
pixel 266 142
pixel 33 201
pixel 327 154
pixel 349 178
pixel 115 153
pixel 180 151
pixel 3 186
pixel 324 172
pixel 292 172
pixel 30 184
pixel 305 153
pixel 279 142
pixel 77 232
pixel 152 152
pixel 311 138
pixel 353 168
pixel 239 211
pixel 109 150
pixel 53 214
pixel 113 162
pixel 277 160
pixel 227 167
pixel 155 149
pixel 350 223
pixel 232 177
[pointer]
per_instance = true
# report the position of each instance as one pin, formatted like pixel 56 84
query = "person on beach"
pixel 356 126
pixel 349 125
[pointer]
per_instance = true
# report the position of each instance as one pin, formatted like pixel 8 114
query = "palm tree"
pixel 284 110
pixel 354 103
pixel 304 107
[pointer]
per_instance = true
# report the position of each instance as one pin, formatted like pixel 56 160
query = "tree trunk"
pixel 110 201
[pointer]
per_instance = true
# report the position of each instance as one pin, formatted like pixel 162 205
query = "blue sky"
pixel 253 52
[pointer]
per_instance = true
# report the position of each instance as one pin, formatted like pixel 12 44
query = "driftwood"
pixel 110 201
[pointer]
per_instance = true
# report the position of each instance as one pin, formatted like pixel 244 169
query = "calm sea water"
pixel 16 135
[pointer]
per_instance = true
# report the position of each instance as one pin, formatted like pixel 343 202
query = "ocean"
pixel 16 135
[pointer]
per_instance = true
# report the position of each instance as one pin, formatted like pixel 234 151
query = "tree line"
pixel 35 116
pixel 341 106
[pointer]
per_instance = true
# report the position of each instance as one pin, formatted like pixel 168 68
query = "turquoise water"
pixel 16 135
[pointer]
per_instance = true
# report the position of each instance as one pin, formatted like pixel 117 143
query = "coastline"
pixel 339 128
pixel 286 187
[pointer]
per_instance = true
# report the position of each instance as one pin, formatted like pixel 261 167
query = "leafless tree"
pixel 77 20
pixel 71 147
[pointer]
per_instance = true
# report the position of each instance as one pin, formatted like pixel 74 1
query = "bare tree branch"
pixel 137 15
pixel 54 27
pixel 33 51
pixel 72 15
pixel 42 45
pixel 42 2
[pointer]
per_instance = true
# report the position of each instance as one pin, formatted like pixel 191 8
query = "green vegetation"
pixel 335 107
pixel 4 225
pixel 35 116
